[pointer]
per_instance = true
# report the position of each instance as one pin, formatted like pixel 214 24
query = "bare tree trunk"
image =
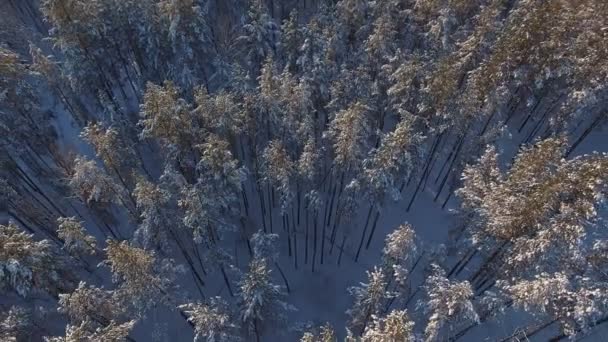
pixel 262 207
pixel 598 120
pixel 298 197
pixel 369 214
pixel 255 328
pixel 425 171
pixel 457 268
pixel 445 178
pixel 314 249
pixel 295 242
pixel 306 237
pixel 283 276
pixel 270 205
pixel 333 196
pixel 288 235
pixel 445 163
pixel 323 243
pixel 371 234
pixel 197 277
pixel 542 119
pixel 564 336
pixel 528 332
pixel 226 281
pixel 450 193
pixel 333 232
pixel 532 111
pixel 327 203
pixel 344 237
pixel 483 268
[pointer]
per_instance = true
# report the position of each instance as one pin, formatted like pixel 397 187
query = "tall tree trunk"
pixel 486 264
pixel 445 178
pixel 447 159
pixel 333 232
pixel 262 207
pixel 344 236
pixel 288 235
pixel 295 242
pixel 532 111
pixel 270 206
pixel 595 123
pixel 315 239
pixel 371 234
pixel 307 236
pixel 369 214
pixel 323 242
pixel 226 281
pixel 283 277
pixel 457 268
pixel 542 119
pixel 255 328
pixel 425 171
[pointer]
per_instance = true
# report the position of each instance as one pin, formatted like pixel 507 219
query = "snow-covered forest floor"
pixel 317 171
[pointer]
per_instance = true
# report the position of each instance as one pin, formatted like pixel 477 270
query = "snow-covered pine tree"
pixel 316 61
pixel 14 324
pixel 190 38
pixel 25 130
pixel 448 305
pixel 88 302
pixel 212 321
pixel 327 333
pixel 142 281
pixel 261 302
pixel 92 311
pixel 575 302
pixel 264 246
pixel 259 39
pixel 399 256
pixel 133 26
pixel 113 332
pixel 353 16
pixel 295 111
pixel 111 148
pixel 392 162
pixel 28 265
pixel 291 41
pixel 308 162
pixel 214 194
pixel 279 170
pixel 152 203
pixel 267 98
pixel 49 68
pixel 349 133
pixel 543 201
pixel 221 113
pixel 91 184
pixel 199 212
pixel 166 116
pixel 159 216
pixel 383 42
pixel 324 333
pixel 79 30
pixel 395 327
pixel 353 87
pixel 370 298
pixel 76 239
pixel 220 171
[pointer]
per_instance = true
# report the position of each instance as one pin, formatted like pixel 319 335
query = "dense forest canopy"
pixel 313 170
